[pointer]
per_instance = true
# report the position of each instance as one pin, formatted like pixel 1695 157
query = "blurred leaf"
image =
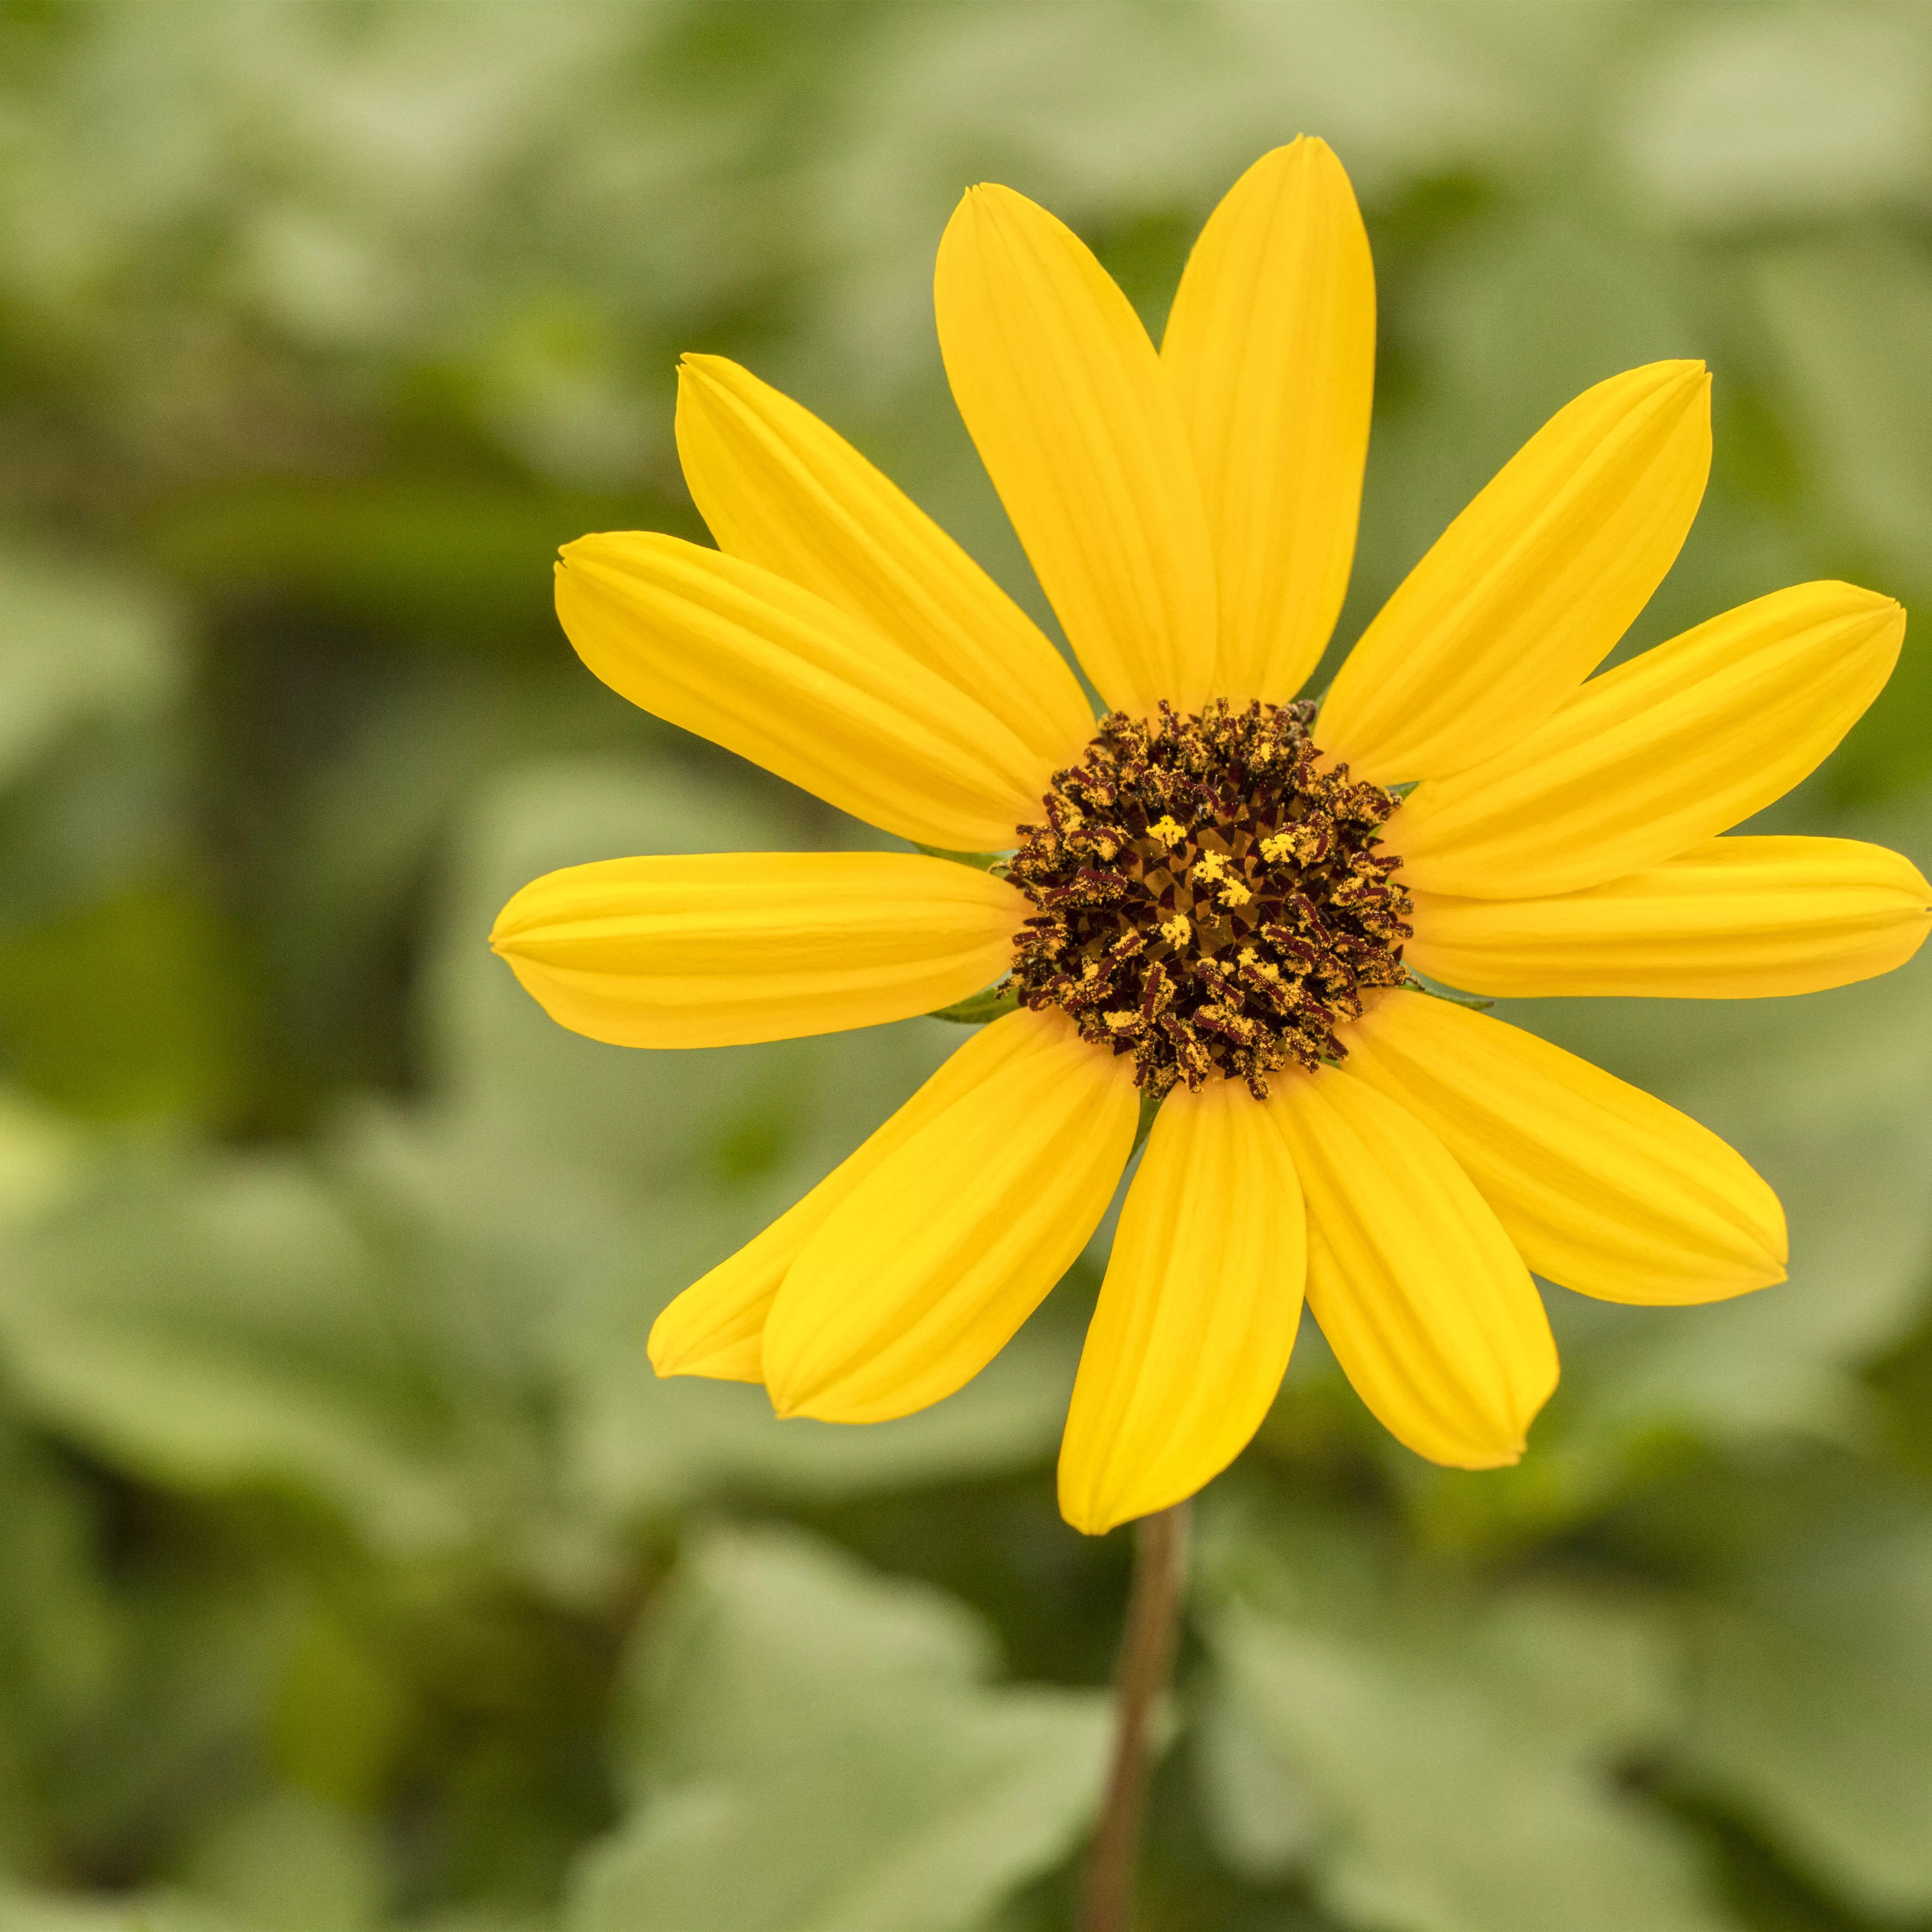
pixel 133 1007
pixel 60 1636
pixel 1849 321
pixel 639 1443
pixel 155 1912
pixel 288 1863
pixel 340 1717
pixel 126 1756
pixel 1262 1817
pixel 91 677
pixel 77 644
pixel 448 557
pixel 1812 1701
pixel 1459 1753
pixel 42 1157
pixel 222 1324
pixel 573 1188
pixel 1748 115
pixel 813 1747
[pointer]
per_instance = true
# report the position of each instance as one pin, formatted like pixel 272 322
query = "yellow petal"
pixel 1271 347
pixel 1077 427
pixel 1731 919
pixel 1682 742
pixel 1421 1295
pixel 779 489
pixel 771 672
pixel 718 949
pixel 1526 592
pixel 716 1327
pixel 1196 1317
pixel 1602 1188
pixel 921 1276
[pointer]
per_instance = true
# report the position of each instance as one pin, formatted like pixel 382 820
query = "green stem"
pixel 1415 983
pixel 1147 1662
pixel 978 1008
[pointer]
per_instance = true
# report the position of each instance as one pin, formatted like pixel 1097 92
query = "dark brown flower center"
pixel 1211 898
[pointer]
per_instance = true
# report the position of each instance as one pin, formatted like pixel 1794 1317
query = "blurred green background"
pixel 354 1573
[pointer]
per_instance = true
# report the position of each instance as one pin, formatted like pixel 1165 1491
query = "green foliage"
pixel 1454 1753
pixel 806 1746
pixel 356 1573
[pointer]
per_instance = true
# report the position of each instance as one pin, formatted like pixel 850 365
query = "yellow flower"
pixel 1215 891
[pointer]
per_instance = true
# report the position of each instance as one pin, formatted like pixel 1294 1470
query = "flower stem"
pixel 1147 1659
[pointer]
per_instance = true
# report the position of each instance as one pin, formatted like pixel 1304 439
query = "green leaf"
pixel 284 1862
pixel 1847 319
pixel 22 1911
pixel 1813 1703
pixel 1746 116
pixel 130 1008
pixel 576 1187
pixel 78 643
pixel 977 1009
pixel 224 1322
pixel 814 1749
pixel 980 862
pixel 1441 1762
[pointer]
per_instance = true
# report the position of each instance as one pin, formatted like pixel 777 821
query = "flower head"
pixel 1217 895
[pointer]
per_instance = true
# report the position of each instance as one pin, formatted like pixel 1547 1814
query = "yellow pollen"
pixel 1209 896
pixel 1300 843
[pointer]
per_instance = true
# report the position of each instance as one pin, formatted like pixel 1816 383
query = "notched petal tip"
pixel 925 1271
pixel 739 1361
pixel 1076 1516
pixel 1196 1318
pixel 1420 1293
pixel 714 1329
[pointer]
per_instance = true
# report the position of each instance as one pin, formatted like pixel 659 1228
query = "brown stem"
pixel 1147 1658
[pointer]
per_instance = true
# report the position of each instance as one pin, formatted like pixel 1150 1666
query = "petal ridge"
pixel 1604 1189
pixel 740 656
pixel 1742 917
pixel 716 1327
pixel 1526 591
pixel 1678 745
pixel 925 1271
pixel 1422 1296
pixel 721 950
pixel 1270 345
pixel 1197 1315
pixel 781 489
pixel 1065 399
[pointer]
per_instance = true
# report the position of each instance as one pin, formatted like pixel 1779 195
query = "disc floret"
pixel 1210 896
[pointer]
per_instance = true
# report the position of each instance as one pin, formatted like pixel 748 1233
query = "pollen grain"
pixel 1210 896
